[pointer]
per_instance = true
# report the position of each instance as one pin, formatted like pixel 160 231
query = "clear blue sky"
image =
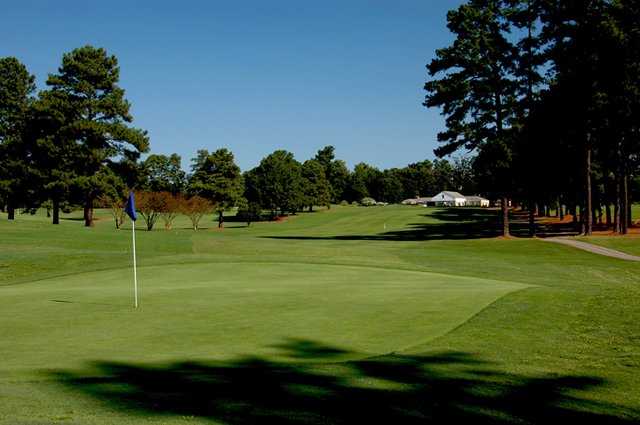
pixel 255 76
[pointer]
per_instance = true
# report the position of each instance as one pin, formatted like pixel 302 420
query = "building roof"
pixel 451 194
pixel 475 198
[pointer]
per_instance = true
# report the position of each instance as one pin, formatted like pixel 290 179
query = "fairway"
pixel 306 320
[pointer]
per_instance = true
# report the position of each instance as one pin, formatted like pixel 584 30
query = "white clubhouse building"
pixel 449 199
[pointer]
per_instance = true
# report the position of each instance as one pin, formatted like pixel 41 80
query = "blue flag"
pixel 130 209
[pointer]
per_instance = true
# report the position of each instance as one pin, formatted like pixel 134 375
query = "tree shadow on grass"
pixel 452 224
pixel 439 388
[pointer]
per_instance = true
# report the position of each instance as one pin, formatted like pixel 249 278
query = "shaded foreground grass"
pixel 564 347
pixel 435 388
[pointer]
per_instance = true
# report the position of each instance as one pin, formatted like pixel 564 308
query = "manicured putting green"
pixel 223 310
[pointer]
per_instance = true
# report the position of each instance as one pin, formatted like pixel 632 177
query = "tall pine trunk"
pixel 11 212
pixel 624 213
pixel 588 223
pixel 532 219
pixel 617 228
pixel 220 219
pixel 629 201
pixel 56 211
pixel 88 213
pixel 505 217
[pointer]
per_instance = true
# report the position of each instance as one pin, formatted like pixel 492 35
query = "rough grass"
pixel 347 315
pixel 629 243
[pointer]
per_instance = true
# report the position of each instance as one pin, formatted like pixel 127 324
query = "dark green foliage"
pixel 476 89
pixel 248 211
pixel 544 84
pixel 277 183
pixel 389 187
pixel 315 187
pixel 16 88
pixel 336 172
pixel 464 175
pixel 418 180
pixel 86 85
pixel 162 173
pixel 363 182
pixel 216 177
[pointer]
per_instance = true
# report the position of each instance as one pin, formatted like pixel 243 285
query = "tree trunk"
pixel 616 209
pixel 88 213
pixel 589 207
pixel 561 209
pixel 629 212
pixel 505 217
pixel 608 215
pixel 11 212
pixel 56 211
pixel 220 219
pixel 626 205
pixel 532 219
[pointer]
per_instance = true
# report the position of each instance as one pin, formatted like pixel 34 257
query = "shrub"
pixel 195 208
pixel 367 202
pixel 116 205
pixel 344 203
pixel 248 211
pixel 170 209
pixel 150 205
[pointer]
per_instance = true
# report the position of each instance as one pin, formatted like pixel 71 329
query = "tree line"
pixel 73 145
pixel 546 93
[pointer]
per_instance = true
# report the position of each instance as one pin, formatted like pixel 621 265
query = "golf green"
pixel 221 310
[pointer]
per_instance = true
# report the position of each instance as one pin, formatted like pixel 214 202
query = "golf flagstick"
pixel 130 209
pixel 135 271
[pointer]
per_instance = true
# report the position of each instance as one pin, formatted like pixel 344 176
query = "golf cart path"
pixel 596 249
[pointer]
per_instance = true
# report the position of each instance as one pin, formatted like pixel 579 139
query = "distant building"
pixel 476 201
pixel 449 199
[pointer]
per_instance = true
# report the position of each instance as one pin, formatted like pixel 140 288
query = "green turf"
pixel 629 244
pixel 347 315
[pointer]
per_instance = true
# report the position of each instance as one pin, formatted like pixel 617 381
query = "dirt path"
pixel 594 248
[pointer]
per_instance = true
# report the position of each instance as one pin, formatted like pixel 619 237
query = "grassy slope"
pixel 578 319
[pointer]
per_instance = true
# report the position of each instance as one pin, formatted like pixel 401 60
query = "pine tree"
pixel 16 88
pixel 87 85
pixel 475 88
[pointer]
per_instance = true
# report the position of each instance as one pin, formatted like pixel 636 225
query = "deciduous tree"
pixel 217 178
pixel 315 185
